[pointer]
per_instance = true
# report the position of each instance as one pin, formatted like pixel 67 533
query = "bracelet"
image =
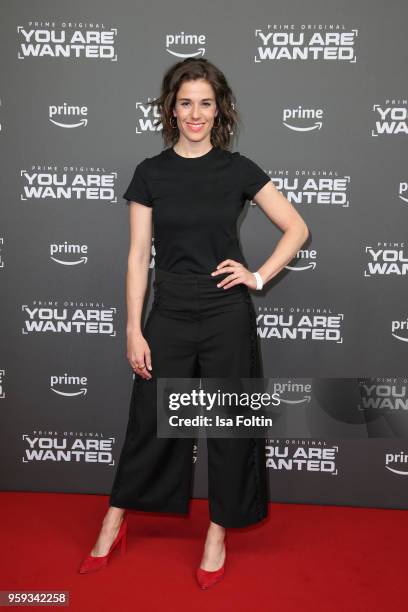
pixel 259 281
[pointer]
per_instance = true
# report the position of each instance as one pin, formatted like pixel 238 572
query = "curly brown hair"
pixel 190 69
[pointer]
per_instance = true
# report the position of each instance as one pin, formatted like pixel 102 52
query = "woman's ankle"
pixel 113 520
pixel 216 535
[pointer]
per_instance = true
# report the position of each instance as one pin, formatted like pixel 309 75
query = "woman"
pixel 194 190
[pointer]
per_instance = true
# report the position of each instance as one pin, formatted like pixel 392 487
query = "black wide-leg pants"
pixel 194 329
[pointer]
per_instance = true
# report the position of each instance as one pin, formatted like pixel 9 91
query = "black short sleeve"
pixel 253 177
pixel 138 189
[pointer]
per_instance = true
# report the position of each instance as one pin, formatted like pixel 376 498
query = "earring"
pixel 173 126
pixel 218 124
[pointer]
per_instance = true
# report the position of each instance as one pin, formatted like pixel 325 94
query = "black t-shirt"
pixel 196 203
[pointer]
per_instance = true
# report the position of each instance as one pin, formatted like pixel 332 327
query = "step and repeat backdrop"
pixel 322 93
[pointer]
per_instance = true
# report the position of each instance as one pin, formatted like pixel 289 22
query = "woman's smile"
pixel 195 127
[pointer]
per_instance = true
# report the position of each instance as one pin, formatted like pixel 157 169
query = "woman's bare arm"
pixel 140 218
pixel 281 212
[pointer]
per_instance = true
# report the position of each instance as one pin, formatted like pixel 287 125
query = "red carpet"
pixel 303 557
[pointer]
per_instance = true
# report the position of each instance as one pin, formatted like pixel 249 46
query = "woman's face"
pixel 195 110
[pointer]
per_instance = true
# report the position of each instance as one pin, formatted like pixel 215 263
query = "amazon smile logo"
pixel 67 254
pixel 305 259
pixel 312 118
pixel 403 191
pixel 194 42
pixel 398 326
pixel 69 385
pixel 397 463
pixel 68 116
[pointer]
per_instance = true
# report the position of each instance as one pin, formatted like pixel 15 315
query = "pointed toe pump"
pixel 206 578
pixel 93 564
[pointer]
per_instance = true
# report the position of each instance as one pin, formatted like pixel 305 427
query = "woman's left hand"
pixel 239 274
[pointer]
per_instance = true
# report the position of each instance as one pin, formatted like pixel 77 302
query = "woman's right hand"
pixel 138 354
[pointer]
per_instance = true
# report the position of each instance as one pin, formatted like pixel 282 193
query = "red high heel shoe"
pixel 206 578
pixel 92 564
